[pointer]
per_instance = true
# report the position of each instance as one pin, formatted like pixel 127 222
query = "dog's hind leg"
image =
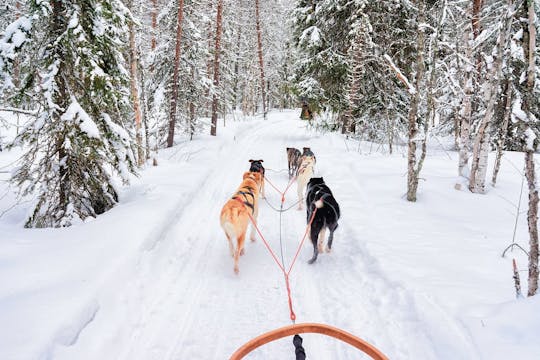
pixel 239 251
pixel 314 234
pixel 231 236
pixel 254 223
pixel 300 191
pixel 320 243
pixel 332 228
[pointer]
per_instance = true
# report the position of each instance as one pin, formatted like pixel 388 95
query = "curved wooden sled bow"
pixel 308 328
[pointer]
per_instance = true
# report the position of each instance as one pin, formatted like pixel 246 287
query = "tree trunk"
pixel 16 76
pixel 532 221
pixel 532 214
pixel 481 143
pixel 502 131
pixel 61 98
pixel 174 85
pixel 135 91
pixel 153 42
pixel 353 90
pixel 144 112
pixel 217 49
pixel 465 114
pixel 237 67
pixel 192 111
pixel 412 174
pixel 260 53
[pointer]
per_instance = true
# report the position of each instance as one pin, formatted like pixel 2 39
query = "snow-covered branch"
pixel 399 74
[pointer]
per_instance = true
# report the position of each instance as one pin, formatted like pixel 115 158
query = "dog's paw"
pixel 328 250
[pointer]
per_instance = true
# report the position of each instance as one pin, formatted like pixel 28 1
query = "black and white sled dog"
pixel 320 197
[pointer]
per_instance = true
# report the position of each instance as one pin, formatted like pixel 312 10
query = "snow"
pixel 314 35
pixel 153 279
pixel 86 124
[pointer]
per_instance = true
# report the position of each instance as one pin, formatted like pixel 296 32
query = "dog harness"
pixel 244 195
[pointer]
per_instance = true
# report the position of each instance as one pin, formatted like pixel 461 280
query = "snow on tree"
pixel 74 71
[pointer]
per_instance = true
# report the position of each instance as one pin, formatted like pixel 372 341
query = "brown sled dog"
pixel 293 158
pixel 234 216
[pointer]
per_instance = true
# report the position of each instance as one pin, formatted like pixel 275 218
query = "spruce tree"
pixel 74 70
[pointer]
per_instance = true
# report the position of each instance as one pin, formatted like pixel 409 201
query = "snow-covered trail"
pixel 179 298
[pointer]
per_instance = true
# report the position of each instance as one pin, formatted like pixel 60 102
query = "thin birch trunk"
pixel 174 85
pixel 465 113
pixel 412 174
pixel 237 66
pixel 191 124
pixel 532 221
pixel 517 282
pixel 135 91
pixel 481 144
pixel 260 53
pixel 503 130
pixel 353 90
pixel 532 214
pixel 217 49
pixel 144 112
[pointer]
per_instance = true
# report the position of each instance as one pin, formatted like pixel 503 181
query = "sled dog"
pixel 320 197
pixel 305 172
pixel 257 166
pixel 293 159
pixel 235 214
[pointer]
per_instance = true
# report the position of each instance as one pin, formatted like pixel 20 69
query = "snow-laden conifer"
pixel 73 69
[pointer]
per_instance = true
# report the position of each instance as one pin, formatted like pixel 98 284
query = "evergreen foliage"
pixel 73 68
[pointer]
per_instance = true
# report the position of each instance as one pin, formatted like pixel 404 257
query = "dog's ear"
pixel 260 160
pixel 251 160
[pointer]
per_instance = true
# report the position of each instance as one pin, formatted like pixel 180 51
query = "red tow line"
pixel 286 273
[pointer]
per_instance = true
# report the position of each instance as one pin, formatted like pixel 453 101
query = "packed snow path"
pixel 185 302
pixel 169 290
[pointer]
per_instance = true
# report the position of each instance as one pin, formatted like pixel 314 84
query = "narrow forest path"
pixel 181 299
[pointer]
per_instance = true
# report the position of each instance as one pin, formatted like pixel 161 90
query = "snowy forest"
pixel 99 98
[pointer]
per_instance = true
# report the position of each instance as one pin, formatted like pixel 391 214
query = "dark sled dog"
pixel 293 159
pixel 320 197
pixel 257 166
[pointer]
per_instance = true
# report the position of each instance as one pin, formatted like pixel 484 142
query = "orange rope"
pixel 292 315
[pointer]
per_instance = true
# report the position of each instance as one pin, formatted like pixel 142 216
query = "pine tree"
pixel 74 69
pixel 192 81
